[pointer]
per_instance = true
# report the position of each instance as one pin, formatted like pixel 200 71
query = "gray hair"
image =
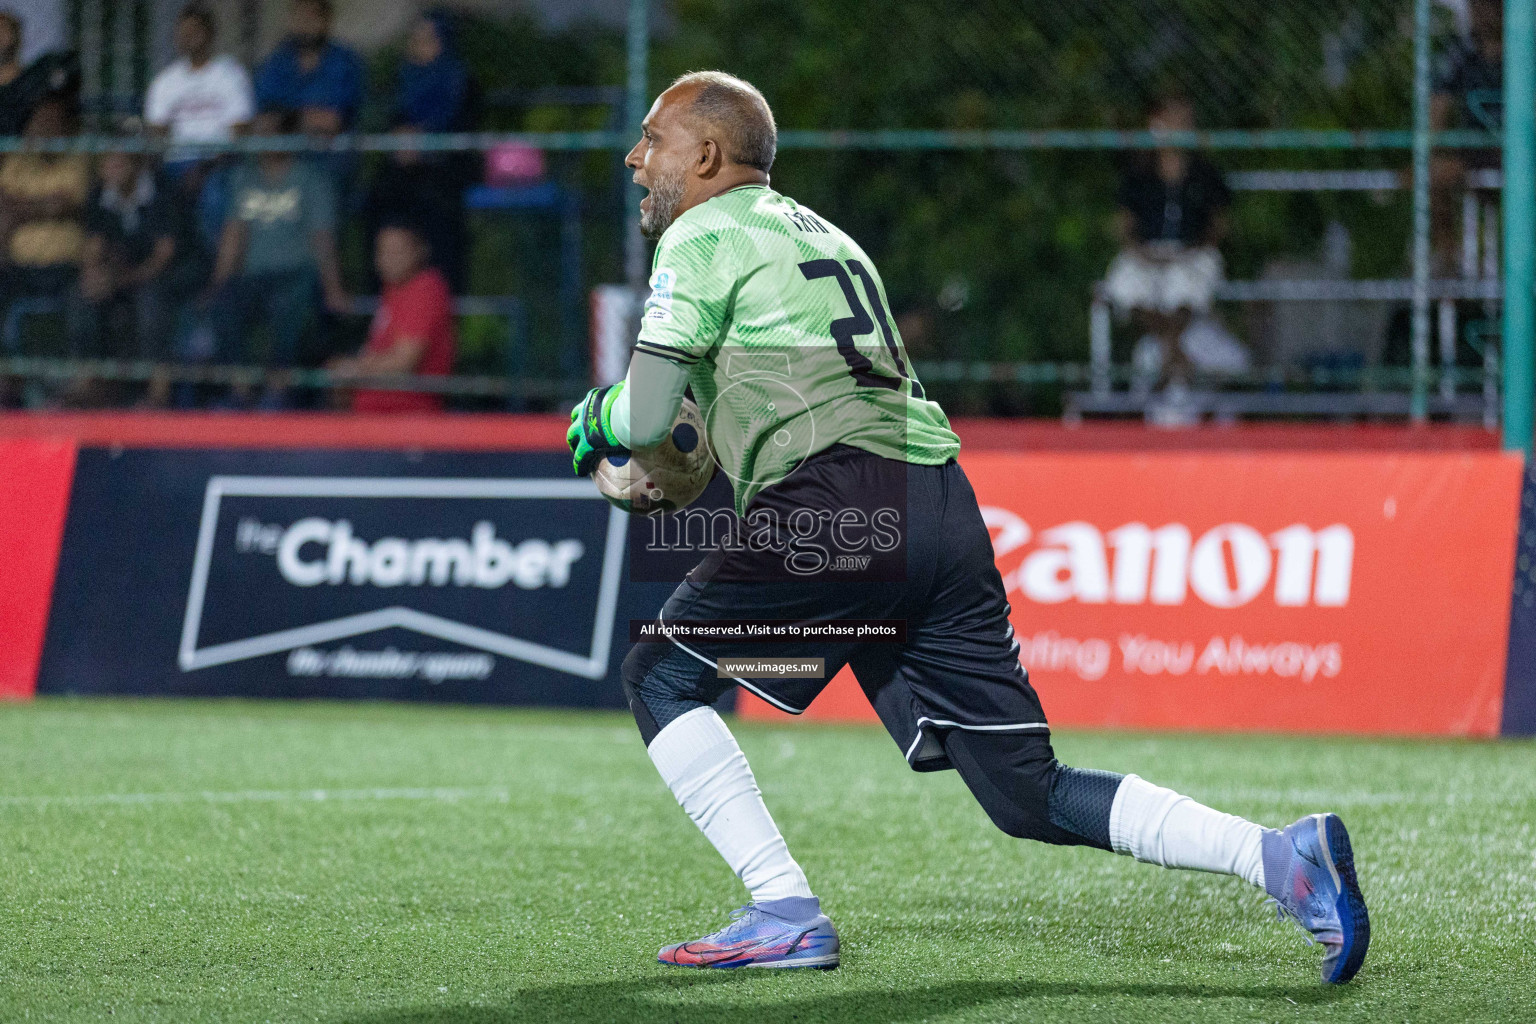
pixel 737 114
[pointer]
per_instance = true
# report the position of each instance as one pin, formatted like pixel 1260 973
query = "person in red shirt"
pixel 413 330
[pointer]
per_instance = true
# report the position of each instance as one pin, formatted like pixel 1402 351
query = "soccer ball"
pixel 663 478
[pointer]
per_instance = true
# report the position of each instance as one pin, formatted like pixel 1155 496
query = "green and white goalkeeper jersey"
pixel 783 323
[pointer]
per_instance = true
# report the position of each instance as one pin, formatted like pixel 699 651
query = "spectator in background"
pixel 309 72
pixel 202 97
pixel 12 104
pixel 432 86
pixel 321 79
pixel 41 198
pixel 23 86
pixel 433 93
pixel 135 269
pixel 277 253
pixel 1469 81
pixel 1468 94
pixel 1172 215
pixel 413 330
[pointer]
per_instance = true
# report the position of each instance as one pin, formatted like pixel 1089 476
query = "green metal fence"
pixel 1283 80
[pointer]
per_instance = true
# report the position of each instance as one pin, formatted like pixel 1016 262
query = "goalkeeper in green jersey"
pixel 849 505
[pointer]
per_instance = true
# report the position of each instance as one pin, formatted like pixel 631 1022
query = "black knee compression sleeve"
pixel 1010 775
pixel 1080 802
pixel 662 683
pixel 631 676
pixel 1028 793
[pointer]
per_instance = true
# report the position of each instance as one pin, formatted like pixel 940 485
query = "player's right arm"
pixel 635 413
pixel 692 286
pixel 685 314
pixel 648 405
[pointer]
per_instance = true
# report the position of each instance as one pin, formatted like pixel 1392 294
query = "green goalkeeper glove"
pixel 591 436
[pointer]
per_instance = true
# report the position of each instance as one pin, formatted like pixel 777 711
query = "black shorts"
pixel 958 667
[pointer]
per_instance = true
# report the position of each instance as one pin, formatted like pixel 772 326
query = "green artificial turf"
pixel 202 861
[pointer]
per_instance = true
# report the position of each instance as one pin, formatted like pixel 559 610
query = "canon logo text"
pixel 1226 567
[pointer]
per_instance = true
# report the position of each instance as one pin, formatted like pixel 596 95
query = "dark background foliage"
pixel 986 255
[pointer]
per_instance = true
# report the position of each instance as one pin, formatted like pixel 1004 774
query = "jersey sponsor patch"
pixel 658 306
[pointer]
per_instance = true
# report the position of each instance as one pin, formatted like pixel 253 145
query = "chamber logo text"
pixel 315 551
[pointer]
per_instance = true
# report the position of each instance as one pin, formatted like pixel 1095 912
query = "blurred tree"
pixel 988 255
pixel 998 250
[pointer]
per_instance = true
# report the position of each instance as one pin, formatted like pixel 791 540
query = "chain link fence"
pixel 953 64
pixel 977 150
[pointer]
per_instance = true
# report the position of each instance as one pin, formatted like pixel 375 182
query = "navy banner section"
pixel 475 577
pixel 1520 670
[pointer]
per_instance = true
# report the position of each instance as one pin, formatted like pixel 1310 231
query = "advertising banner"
pixel 438 576
pixel 34 494
pixel 1364 593
pixel 1520 667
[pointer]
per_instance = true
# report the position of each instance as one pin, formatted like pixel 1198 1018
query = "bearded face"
pixel 666 195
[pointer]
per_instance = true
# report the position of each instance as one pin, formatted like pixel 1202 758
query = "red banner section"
pixel 535 432
pixel 496 433
pixel 1362 593
pixel 1255 577
pixel 34 495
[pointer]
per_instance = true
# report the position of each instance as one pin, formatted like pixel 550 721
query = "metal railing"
pixel 1445 293
pixel 1107 140
pixel 1519 214
pixel 511 385
pixel 931 372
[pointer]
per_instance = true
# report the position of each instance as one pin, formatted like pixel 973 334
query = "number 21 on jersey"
pixel 845 329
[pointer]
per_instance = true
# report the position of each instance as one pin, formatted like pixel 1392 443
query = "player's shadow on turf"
pixel 638 1000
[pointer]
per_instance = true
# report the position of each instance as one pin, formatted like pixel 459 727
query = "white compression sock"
pixel 700 762
pixel 1158 826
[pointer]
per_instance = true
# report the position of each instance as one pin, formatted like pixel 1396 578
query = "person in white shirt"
pixel 202 97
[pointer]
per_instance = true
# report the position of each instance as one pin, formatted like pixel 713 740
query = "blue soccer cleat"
pixel 781 933
pixel 1309 872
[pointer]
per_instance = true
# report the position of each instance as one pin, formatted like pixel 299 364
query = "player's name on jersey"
pixel 682 630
